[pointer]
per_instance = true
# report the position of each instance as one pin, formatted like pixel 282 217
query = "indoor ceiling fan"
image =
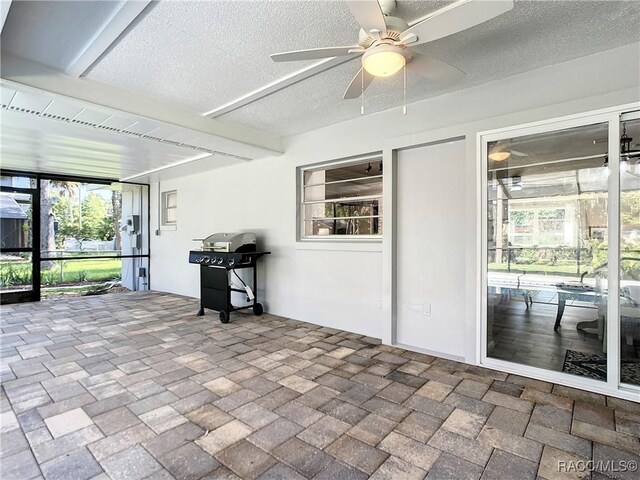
pixel 500 151
pixel 384 40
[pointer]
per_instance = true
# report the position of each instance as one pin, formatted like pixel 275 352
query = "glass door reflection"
pixel 547 250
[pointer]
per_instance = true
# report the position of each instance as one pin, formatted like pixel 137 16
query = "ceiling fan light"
pixel 499 156
pixel 383 60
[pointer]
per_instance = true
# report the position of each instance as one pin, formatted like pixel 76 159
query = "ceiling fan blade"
pixel 368 14
pixel 456 17
pixel 434 69
pixel 519 154
pixel 354 90
pixel 314 53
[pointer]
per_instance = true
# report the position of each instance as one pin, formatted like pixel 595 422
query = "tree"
pixel 116 215
pixel 96 222
pixel 67 214
pixel 47 234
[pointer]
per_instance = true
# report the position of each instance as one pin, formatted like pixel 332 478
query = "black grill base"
pixel 215 291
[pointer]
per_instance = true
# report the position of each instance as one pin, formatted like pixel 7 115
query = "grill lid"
pixel 230 242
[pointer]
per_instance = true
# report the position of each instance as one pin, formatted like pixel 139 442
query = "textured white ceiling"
pixel 204 54
pixel 533 35
pixel 54 33
pixel 207 54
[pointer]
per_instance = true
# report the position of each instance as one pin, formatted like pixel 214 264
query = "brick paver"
pixel 137 386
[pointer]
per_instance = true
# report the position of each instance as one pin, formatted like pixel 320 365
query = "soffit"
pixel 47 133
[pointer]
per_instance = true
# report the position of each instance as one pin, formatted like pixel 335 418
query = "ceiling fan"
pixel 500 151
pixel 384 40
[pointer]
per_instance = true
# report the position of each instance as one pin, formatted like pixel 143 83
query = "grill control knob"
pixel 232 262
pixel 205 260
pixel 220 260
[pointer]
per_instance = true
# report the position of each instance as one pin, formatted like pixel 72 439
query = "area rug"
pixel 595 366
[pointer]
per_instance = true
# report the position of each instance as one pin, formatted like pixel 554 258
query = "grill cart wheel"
pixel 257 309
pixel 224 317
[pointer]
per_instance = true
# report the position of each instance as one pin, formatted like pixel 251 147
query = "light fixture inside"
pixel 383 60
pixel 499 156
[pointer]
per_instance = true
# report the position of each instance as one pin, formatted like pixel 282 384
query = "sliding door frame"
pixel 612 385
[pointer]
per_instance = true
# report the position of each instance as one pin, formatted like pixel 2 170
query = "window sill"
pixel 340 245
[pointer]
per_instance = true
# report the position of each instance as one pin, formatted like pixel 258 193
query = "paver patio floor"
pixel 135 385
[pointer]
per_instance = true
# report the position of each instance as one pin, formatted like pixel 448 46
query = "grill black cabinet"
pixel 215 288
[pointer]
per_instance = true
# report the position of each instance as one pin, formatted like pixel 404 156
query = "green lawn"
pixel 15 273
pixel 73 271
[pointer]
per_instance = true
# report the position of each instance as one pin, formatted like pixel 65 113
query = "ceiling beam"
pixel 278 85
pixel 104 38
pixel 37 76
pixel 4 11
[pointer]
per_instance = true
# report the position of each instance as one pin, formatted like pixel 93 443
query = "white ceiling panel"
pixel 30 101
pixel 142 127
pixel 33 143
pixel 94 142
pixel 63 108
pixel 119 122
pixel 6 94
pixel 88 115
pixel 184 136
pixel 164 131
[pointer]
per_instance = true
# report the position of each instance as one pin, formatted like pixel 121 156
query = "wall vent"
pixel 55 117
pixel 24 110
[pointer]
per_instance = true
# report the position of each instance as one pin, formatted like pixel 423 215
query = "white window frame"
pixel 164 208
pixel 374 159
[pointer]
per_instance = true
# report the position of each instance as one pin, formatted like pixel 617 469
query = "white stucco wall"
pixel 351 288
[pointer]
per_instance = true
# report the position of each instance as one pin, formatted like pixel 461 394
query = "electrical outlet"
pixel 426 309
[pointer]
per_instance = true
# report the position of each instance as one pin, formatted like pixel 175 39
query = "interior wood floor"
pixel 526 336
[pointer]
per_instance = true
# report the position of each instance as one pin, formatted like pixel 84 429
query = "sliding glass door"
pixel 561 260
pixel 546 249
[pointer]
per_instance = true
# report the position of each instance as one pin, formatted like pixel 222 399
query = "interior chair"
pixel 629 306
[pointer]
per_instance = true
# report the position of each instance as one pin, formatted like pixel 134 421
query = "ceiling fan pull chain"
pixel 404 106
pixel 362 93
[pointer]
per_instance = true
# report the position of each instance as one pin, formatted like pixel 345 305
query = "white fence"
pixel 74 245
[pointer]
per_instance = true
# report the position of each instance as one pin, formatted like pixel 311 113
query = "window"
pixel 342 200
pixel 169 208
pixel 539 226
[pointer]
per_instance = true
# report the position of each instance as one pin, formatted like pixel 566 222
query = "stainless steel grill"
pixel 221 255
